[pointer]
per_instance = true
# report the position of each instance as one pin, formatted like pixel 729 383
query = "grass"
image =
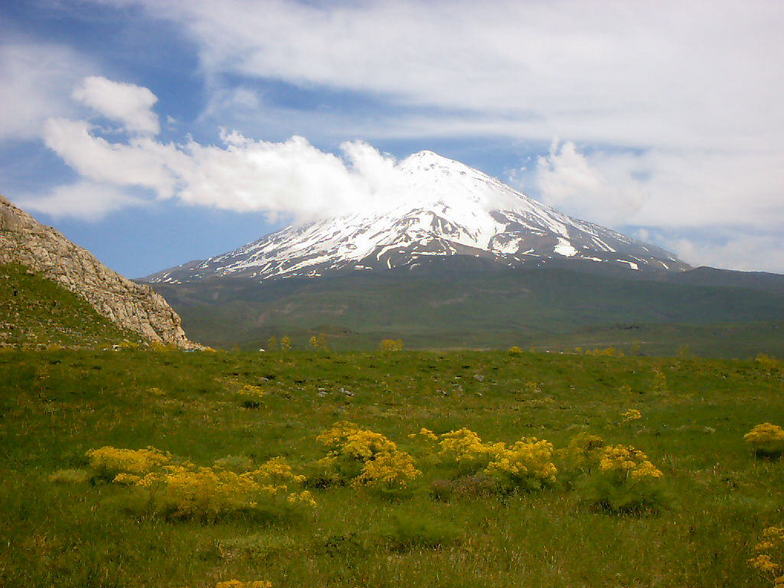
pixel 35 311
pixel 56 405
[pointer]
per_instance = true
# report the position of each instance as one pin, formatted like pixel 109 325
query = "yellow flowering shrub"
pixel 770 555
pixel 466 449
pixel 107 462
pixel 631 415
pixel 626 463
pixel 349 447
pixel 625 481
pixel 391 345
pixel 526 465
pixel 388 471
pixel 514 350
pixel 367 458
pixel 767 440
pixel 188 491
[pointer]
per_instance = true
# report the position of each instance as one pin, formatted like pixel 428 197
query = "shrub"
pixel 767 440
pixel 319 342
pixel 514 351
pixel 108 462
pixel 412 532
pixel 625 482
pixel 466 449
pixel 388 472
pixel 526 465
pixel 391 345
pixel 770 554
pixel 579 458
pixel 188 491
pixel 368 458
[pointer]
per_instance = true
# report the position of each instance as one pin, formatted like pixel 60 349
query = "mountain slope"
pixel 131 306
pixel 452 306
pixel 430 207
pixel 36 311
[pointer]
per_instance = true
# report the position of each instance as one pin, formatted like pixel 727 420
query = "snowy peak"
pixel 435 207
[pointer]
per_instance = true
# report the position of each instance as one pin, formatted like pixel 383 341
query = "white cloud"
pixel 740 251
pixel 128 104
pixel 656 73
pixel 680 102
pixel 36 79
pixel 290 178
pixel 665 188
pixel 142 162
pixel 566 180
pixel 82 200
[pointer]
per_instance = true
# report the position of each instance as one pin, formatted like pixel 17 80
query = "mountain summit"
pixel 433 207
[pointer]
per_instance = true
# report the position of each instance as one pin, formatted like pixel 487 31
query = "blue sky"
pixel 155 132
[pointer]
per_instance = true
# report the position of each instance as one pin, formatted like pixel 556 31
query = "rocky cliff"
pixel 129 305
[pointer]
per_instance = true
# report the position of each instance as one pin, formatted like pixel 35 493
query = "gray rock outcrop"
pixel 44 250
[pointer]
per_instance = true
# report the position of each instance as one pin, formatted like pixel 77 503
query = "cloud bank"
pixel 670 112
pixel 283 179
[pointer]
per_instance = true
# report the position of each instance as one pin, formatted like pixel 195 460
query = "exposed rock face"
pixel 130 305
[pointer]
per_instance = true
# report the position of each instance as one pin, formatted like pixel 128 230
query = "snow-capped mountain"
pixel 437 207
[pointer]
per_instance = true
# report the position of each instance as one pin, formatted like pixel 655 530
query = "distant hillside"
pixel 37 311
pixel 453 306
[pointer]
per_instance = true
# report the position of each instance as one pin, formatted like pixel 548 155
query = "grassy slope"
pixel 56 405
pixel 546 308
pixel 38 311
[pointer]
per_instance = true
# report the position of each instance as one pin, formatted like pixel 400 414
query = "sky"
pixel 154 132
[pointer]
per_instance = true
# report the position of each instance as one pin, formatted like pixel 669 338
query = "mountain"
pixel 45 252
pixel 433 207
pixel 450 257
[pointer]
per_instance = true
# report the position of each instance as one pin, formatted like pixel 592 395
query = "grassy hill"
pixel 446 531
pixel 546 308
pixel 35 311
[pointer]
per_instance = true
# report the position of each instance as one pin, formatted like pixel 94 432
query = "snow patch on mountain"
pixel 433 206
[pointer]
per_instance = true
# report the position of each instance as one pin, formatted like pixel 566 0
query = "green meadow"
pixel 716 496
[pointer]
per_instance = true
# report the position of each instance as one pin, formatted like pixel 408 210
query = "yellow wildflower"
pixel 764 563
pixel 631 415
pixel 109 461
pixel 467 449
pixel 627 461
pixel 766 439
pixel 126 479
pixel 527 464
pixel 388 470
